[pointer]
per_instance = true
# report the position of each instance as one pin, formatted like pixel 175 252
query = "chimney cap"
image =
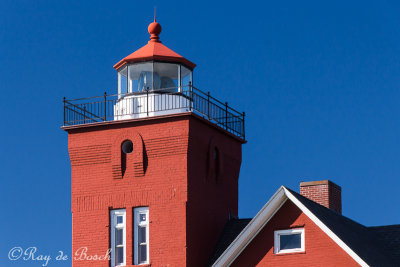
pixel 321 182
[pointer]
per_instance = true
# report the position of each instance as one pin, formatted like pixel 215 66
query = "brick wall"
pixel 169 171
pixel 324 192
pixel 212 189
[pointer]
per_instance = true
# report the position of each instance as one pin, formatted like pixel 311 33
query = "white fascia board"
pixel 252 229
pixel 324 228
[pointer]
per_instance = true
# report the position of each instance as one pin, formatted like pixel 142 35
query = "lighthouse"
pixel 154 165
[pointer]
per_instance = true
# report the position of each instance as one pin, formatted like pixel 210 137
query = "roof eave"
pixel 252 229
pixel 262 218
pixel 183 61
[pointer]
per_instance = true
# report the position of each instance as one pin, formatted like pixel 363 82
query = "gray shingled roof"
pixel 232 228
pixel 389 235
pixel 359 238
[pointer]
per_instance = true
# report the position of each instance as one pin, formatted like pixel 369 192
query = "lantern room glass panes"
pixel 141 77
pixel 186 77
pixel 161 76
pixel 123 81
pixel 168 74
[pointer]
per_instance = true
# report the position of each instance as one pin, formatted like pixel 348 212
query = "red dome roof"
pixel 155 50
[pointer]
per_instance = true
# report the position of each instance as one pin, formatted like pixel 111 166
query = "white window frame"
pixel 114 225
pixel 137 223
pixel 277 239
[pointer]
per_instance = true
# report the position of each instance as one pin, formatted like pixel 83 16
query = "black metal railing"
pixel 153 103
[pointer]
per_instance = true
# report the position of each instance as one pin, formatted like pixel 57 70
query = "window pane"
pixel 142 217
pixel 119 237
pixel 119 255
pixel 168 74
pixel 186 77
pixel 290 241
pixel 142 253
pixel 123 80
pixel 120 219
pixel 142 234
pixel 140 77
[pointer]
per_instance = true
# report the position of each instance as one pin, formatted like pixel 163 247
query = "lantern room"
pixel 153 81
pixel 154 67
pixel 153 75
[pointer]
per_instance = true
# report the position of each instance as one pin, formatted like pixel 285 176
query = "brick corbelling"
pixel 138 169
pixel 122 199
pixel 148 121
pixel 161 147
pixel 99 154
pixel 94 154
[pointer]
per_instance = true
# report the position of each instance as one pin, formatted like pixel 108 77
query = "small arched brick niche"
pixel 128 155
pixel 215 161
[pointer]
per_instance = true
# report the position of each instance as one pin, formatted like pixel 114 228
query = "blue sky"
pixel 319 82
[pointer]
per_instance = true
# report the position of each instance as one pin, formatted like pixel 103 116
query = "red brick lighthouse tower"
pixel 155 167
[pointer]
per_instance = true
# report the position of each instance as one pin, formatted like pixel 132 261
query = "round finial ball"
pixel 154 28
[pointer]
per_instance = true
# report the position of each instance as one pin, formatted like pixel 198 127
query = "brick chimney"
pixel 323 192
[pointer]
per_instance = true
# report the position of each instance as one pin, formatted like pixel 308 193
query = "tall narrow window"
pixel 118 237
pixel 141 235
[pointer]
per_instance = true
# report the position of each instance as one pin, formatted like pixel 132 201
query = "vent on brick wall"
pixel 325 193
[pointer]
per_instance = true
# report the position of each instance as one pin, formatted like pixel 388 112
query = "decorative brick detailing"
pixel 135 160
pixel 105 201
pixel 167 172
pixel 324 192
pixel 88 155
pixel 215 165
pixel 162 147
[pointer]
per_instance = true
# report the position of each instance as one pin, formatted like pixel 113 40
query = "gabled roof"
pixel 358 241
pixel 154 50
pixel 357 237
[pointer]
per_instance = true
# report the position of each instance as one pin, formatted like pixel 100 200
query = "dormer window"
pixel 289 241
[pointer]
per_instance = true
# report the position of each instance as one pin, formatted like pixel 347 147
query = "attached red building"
pixel 292 230
pixel 154 177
